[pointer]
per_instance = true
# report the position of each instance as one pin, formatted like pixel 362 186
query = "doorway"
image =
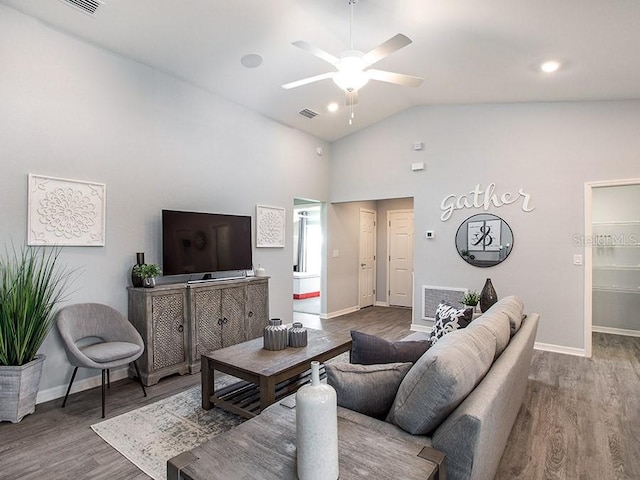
pixel 307 256
pixel 612 258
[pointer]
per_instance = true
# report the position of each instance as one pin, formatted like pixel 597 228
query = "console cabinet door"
pixel 207 318
pixel 168 330
pixel 257 310
pixel 160 315
pixel 233 308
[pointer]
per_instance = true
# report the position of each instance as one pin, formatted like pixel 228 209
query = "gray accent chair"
pixel 97 336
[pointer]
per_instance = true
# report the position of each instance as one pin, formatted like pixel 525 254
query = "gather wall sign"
pixel 479 198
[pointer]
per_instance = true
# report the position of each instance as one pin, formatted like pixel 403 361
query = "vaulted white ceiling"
pixel 468 51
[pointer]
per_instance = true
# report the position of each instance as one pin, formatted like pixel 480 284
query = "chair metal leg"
pixel 135 364
pixel 103 391
pixel 73 376
pixel 108 379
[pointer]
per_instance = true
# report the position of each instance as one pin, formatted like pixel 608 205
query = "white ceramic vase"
pixel 317 429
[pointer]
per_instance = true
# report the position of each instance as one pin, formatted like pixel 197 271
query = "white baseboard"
pixel 578 352
pixel 80 385
pixel 415 327
pixel 338 313
pixel 616 331
pixel 382 304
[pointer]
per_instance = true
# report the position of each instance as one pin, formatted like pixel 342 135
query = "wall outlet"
pixel 430 234
pixel 335 253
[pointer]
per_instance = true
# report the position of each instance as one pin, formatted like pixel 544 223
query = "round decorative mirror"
pixel 484 240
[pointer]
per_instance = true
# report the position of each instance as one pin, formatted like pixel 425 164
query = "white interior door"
pixel 400 257
pixel 367 257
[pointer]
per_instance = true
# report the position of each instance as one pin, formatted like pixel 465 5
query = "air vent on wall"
pixel 86 6
pixel 308 113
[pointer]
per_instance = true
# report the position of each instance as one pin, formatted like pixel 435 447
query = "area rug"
pixel 151 435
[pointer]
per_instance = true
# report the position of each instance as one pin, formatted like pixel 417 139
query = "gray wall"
pixel 549 150
pixel 72 110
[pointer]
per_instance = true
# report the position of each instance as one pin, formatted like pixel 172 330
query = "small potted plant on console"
pixel 148 273
pixel 471 299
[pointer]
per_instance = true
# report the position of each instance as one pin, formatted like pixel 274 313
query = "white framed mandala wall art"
pixel 270 226
pixel 65 212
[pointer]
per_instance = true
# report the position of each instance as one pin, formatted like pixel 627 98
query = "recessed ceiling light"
pixel 251 60
pixel 550 66
pixel 333 107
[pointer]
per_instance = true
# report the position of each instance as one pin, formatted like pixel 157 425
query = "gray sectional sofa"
pixel 463 395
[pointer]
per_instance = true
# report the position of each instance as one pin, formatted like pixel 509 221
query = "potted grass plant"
pixel 31 285
pixel 471 299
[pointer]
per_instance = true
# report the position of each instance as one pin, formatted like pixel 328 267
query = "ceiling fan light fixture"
pixel 350 81
pixel 351 75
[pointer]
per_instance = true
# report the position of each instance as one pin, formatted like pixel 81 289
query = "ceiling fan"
pixel 352 66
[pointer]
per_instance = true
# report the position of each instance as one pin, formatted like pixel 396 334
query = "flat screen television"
pixel 203 243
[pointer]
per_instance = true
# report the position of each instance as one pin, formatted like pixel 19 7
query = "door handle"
pixel 181 328
pixel 363 264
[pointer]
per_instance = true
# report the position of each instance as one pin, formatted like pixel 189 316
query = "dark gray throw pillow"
pixel 449 319
pixel 368 389
pixel 369 350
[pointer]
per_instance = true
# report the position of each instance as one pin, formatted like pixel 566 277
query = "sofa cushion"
pixel 513 307
pixel 448 319
pixel 498 324
pixel 441 379
pixel 369 349
pixel 368 389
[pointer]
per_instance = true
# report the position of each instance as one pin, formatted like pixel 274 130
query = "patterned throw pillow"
pixel 448 319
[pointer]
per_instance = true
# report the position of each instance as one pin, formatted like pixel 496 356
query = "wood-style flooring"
pixel 580 419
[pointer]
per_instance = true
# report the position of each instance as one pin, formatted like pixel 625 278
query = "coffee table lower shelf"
pixel 243 397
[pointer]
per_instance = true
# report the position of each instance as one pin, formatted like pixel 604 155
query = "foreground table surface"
pixel 268 375
pixel 265 448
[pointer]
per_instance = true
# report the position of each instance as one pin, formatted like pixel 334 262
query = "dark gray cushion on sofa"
pixel 498 324
pixel 441 379
pixel 369 350
pixel 368 389
pixel 513 307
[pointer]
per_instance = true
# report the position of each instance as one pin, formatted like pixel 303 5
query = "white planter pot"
pixel 19 389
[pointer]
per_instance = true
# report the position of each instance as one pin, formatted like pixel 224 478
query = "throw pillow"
pixel 513 307
pixel 441 380
pixel 368 349
pixel 368 389
pixel 448 319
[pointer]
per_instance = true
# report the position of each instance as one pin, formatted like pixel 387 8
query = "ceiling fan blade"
pixel 313 50
pixel 387 48
pixel 305 81
pixel 397 78
pixel 351 98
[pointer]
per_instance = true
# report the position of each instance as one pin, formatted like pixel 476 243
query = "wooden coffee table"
pixel 264 448
pixel 267 375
